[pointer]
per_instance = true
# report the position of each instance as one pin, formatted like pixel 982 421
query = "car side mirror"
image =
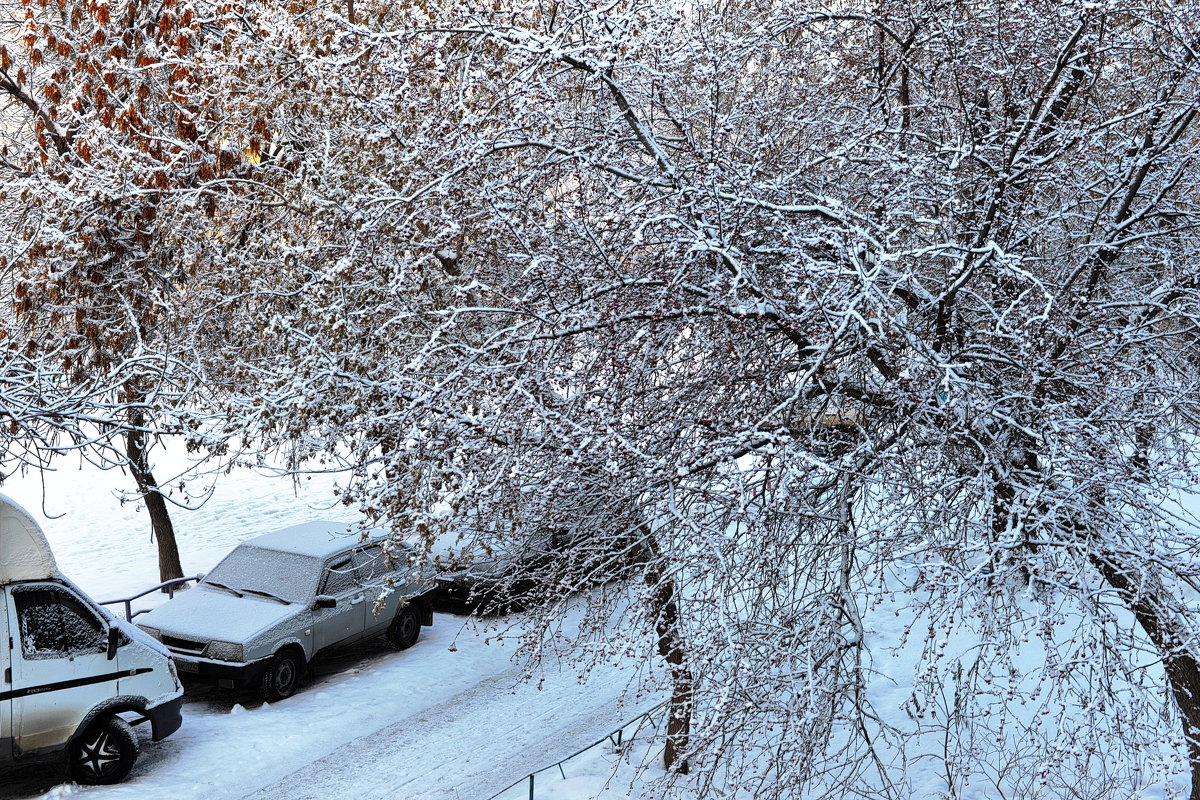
pixel 325 601
pixel 114 638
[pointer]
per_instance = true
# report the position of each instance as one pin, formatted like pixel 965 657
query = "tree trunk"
pixel 670 646
pixel 161 528
pixel 1144 598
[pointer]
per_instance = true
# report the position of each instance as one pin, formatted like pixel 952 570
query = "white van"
pixel 74 676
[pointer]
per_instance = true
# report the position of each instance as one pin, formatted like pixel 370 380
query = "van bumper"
pixel 165 718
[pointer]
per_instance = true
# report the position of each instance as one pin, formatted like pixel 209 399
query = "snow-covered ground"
pixel 450 718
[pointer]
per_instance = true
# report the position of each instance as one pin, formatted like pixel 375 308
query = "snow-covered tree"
pixel 132 157
pixel 782 308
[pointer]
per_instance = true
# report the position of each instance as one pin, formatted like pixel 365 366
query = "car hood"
pixel 204 614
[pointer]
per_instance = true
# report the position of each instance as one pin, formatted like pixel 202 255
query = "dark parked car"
pixel 523 574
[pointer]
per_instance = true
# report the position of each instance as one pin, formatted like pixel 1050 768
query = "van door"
pixel 61 669
pixel 6 734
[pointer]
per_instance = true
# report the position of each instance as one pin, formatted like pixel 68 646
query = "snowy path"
pixel 430 722
pixel 470 746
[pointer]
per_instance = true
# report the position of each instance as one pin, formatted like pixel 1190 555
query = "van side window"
pixel 54 624
pixel 339 578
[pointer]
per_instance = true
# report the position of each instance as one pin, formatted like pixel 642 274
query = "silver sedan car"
pixel 279 599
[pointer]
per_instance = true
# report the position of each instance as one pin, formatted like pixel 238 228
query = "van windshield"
pixel 288 576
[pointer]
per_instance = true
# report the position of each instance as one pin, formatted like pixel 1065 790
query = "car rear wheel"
pixel 104 753
pixel 282 677
pixel 405 628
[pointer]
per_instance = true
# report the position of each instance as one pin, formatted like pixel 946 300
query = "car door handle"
pixel 356 600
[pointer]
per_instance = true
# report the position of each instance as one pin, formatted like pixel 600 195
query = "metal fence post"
pixel 531 786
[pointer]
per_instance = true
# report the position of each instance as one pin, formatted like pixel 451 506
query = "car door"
pixel 373 569
pixel 6 733
pixel 346 620
pixel 60 664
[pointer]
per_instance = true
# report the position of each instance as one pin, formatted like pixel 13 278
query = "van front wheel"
pixel 104 753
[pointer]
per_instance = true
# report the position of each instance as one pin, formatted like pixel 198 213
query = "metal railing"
pixel 616 738
pixel 128 601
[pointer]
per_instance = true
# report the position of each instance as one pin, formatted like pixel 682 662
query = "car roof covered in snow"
pixel 319 538
pixel 24 552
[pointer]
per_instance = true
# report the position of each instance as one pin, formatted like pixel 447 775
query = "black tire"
pixel 405 628
pixel 282 678
pixel 104 753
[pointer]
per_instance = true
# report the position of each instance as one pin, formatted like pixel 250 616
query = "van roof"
pixel 24 552
pixel 319 538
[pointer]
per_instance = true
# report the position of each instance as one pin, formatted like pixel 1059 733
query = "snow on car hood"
pixel 203 613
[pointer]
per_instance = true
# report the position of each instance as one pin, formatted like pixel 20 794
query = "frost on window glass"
pixel 371 565
pixel 378 561
pixel 288 576
pixel 340 578
pixel 56 625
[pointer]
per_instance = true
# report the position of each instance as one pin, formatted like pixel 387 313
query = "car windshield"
pixel 287 576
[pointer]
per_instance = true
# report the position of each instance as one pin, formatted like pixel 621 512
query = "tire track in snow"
pixel 471 745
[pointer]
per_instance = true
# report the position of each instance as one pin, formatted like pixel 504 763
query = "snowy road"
pixel 449 718
pixel 470 746
pixel 430 722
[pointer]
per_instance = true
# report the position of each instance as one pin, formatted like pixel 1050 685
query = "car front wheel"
pixel 282 677
pixel 405 628
pixel 105 752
